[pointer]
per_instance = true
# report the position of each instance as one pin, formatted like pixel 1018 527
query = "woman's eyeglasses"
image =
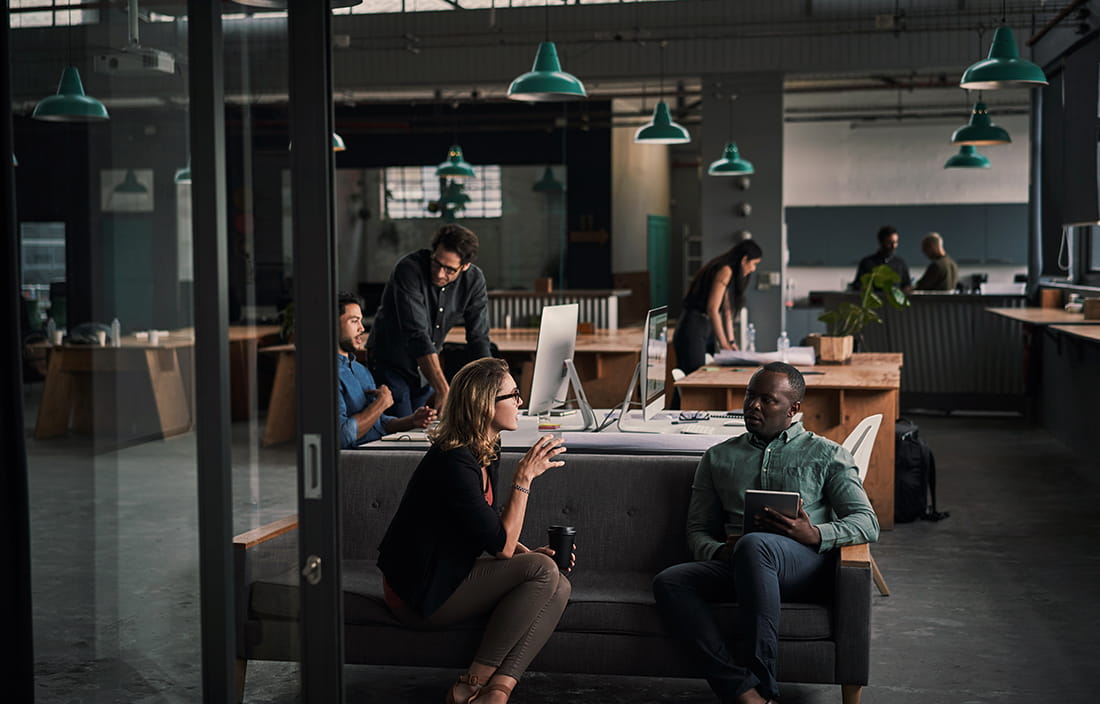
pixel 515 394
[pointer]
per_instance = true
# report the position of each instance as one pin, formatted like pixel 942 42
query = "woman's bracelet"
pixel 524 489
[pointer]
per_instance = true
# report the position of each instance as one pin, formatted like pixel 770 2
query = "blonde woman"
pixel 452 551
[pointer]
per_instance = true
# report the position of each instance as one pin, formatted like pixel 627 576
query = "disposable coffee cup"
pixel 561 542
pixel 101 337
pixel 56 337
pixel 154 337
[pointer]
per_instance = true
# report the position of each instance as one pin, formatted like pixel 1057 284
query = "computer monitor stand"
pixel 588 416
pixel 624 423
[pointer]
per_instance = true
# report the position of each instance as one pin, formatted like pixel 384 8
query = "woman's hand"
pixel 539 459
pixel 549 551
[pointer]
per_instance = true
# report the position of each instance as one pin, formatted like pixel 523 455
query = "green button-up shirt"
pixel 821 471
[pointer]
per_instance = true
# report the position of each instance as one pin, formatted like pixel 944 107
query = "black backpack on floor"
pixel 914 476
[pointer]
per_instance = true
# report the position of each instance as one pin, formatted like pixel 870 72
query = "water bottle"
pixel 783 344
pixel 51 328
pixel 116 334
pixel 750 338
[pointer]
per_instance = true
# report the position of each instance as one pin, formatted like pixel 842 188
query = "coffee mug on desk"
pixel 101 337
pixel 154 338
pixel 56 337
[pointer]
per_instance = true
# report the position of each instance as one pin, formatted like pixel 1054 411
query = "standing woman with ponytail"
pixel 452 550
pixel 715 296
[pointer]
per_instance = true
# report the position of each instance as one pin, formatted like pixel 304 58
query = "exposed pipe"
pixel 1054 22
pixel 132 24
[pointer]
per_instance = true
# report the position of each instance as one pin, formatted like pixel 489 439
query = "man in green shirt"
pixel 784 558
pixel 942 273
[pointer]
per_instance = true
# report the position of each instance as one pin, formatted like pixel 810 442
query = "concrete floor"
pixel 994 604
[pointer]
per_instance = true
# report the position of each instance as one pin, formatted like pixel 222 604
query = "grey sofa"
pixel 629 511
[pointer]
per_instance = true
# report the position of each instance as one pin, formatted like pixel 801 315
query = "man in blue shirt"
pixel 362 402
pixel 783 557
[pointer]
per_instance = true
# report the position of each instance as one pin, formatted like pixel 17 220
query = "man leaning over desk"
pixel 362 403
pixel 429 292
pixel 785 558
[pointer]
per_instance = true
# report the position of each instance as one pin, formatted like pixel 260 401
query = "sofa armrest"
pixel 261 552
pixel 852 614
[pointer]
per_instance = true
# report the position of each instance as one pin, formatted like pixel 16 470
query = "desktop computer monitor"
pixel 556 343
pixel 652 365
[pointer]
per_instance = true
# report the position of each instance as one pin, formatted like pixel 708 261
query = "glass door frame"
pixel 15 593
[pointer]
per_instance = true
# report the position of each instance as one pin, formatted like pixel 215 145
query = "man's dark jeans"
pixel 764 569
pixel 406 397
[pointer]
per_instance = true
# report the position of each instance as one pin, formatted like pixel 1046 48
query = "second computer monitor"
pixel 557 341
pixel 653 362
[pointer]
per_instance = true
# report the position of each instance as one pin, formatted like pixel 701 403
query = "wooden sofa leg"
pixel 879 581
pixel 850 693
pixel 242 666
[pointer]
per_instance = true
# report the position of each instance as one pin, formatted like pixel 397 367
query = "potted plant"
pixel 876 288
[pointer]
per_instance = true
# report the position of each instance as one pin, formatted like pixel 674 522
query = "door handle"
pixel 312 570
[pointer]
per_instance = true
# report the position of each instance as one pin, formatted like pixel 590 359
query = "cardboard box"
pixel 1092 309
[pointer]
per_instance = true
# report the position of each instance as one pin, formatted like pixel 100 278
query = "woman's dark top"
pixel 441 526
pixel 699 291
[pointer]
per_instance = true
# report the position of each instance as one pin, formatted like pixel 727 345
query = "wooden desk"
pixel 244 341
pixel 605 359
pixel 837 399
pixel 1041 316
pixel 131 392
pixel 282 409
pixel 1088 332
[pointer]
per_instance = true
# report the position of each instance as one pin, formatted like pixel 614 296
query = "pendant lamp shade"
pixel 184 175
pixel 1003 68
pixel 455 166
pixel 70 104
pixel 731 164
pixel 967 158
pixel 546 82
pixel 130 184
pixel 338 143
pixel 980 131
pixel 548 184
pixel 661 129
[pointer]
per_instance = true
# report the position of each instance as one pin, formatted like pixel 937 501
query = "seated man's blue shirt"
pixel 356 382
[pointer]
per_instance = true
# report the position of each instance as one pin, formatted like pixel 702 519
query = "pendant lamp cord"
pixel 546 19
pixel 733 97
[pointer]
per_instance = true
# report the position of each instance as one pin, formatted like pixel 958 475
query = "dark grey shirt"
pixel 893 261
pixel 415 315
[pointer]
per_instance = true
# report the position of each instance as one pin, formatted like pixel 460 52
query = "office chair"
pixel 859 443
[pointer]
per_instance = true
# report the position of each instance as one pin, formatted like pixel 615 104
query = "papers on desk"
pixel 797 356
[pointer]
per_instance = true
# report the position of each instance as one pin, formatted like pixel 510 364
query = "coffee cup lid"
pixel 568 530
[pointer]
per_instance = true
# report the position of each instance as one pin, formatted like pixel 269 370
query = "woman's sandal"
pixel 493 687
pixel 472 681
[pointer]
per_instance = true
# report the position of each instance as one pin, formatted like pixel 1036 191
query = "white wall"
pixel 832 163
pixel 639 187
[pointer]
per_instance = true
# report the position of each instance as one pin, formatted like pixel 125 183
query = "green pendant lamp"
pixel 184 175
pixel 546 82
pixel 661 129
pixel 731 163
pixel 548 184
pixel 130 184
pixel 967 158
pixel 1003 68
pixel 455 166
pixel 981 131
pixel 70 104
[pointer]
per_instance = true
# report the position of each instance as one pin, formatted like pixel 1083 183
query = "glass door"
pixel 169 513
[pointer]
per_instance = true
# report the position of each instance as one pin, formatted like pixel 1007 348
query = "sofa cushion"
pixel 622 603
pixel 601 602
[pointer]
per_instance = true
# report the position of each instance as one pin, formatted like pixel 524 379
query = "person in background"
pixel 433 557
pixel 716 294
pixel 942 273
pixel 361 417
pixel 888 240
pixel 429 291
pixel 785 558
